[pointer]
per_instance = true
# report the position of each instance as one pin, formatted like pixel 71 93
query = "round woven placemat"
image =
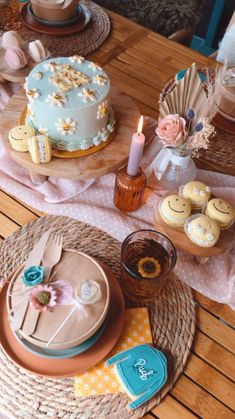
pixel 172 320
pixel 83 43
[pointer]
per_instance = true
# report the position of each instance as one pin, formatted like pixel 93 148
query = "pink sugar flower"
pixel 171 130
pixel 43 297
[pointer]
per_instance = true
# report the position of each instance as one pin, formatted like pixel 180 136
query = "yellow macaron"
pixel 40 149
pixel 221 211
pixel 174 210
pixel 202 230
pixel 19 136
pixel 197 192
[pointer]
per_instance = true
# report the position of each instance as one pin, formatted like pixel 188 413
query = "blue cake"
pixel 69 102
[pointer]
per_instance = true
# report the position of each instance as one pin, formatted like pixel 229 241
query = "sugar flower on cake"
pixel 103 110
pixel 32 94
pixel 77 59
pixel 33 275
pixel 57 99
pixel 30 112
pixel 100 79
pixel 38 75
pixel 43 131
pixel 66 126
pixel 52 66
pixel 95 67
pixel 87 94
pixel 43 298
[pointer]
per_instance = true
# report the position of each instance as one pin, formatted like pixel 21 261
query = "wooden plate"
pixel 181 240
pixel 57 368
pixel 35 25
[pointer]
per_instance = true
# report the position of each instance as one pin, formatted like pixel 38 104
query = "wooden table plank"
pixel 14 210
pixel 169 408
pixel 221 311
pixel 199 400
pixel 215 329
pixel 214 354
pixel 211 380
pixel 7 226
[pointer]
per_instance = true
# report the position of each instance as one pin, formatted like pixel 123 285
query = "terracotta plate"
pixel 35 25
pixel 77 364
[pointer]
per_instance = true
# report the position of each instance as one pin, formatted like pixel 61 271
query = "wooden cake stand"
pixel 107 160
pixel 182 242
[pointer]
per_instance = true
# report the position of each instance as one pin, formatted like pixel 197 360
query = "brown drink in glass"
pixel 147 259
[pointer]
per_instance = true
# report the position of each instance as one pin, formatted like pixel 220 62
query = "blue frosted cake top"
pixel 69 82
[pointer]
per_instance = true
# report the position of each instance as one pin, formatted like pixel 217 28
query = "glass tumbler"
pixel 147 259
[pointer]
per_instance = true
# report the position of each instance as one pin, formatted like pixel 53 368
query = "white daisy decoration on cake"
pixel 32 94
pixel 66 126
pixel 43 131
pixel 30 112
pixel 103 134
pixel 87 95
pixel 95 67
pixel 103 110
pixel 100 79
pixel 77 59
pixel 38 75
pixel 57 99
pixel 50 66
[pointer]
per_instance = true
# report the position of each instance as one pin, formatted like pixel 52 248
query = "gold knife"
pixel 34 258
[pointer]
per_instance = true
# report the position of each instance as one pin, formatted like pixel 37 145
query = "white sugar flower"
pixel 95 67
pixel 87 95
pixel 100 80
pixel 57 99
pixel 30 112
pixel 66 126
pixel 103 134
pixel 32 94
pixel 103 110
pixel 77 59
pixel 38 75
pixel 50 66
pixel 43 131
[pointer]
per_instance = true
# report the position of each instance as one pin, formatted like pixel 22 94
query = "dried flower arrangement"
pixel 186 111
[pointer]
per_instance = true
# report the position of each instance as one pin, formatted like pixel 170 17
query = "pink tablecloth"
pixel 95 206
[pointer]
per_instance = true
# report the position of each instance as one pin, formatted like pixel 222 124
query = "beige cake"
pixel 70 324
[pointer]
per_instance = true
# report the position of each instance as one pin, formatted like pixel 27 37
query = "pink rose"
pixel 171 130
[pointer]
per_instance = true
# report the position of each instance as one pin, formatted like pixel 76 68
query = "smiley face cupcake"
pixel 202 230
pixel 174 210
pixel 197 193
pixel 221 211
pixel 19 136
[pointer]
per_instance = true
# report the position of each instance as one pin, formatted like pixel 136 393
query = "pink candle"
pixel 136 150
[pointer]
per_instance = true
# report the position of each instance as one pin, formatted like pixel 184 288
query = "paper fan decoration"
pixel 188 93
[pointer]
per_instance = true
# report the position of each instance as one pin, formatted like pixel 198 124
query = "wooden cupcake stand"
pixel 110 158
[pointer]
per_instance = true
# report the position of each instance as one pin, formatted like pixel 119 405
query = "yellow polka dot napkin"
pixel 101 379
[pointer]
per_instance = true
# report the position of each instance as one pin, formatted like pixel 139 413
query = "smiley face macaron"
pixel 221 211
pixel 202 230
pixel 197 192
pixel 19 136
pixel 174 210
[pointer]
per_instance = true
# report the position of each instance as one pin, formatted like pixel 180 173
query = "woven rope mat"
pixel 83 43
pixel 172 321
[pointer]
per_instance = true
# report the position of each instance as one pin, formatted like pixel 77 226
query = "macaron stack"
pixel 18 53
pixel 193 209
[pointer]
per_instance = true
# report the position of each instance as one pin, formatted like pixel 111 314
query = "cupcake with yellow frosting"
pixel 174 210
pixel 197 192
pixel 202 230
pixel 221 211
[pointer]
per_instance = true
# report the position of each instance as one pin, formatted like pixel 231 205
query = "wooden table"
pixel 140 62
